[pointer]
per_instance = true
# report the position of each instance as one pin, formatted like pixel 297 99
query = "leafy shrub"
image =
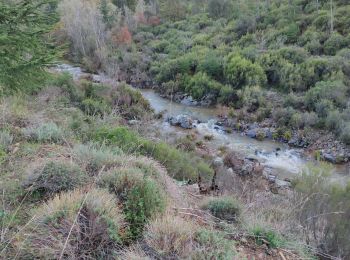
pixel 90 221
pixel 345 133
pixel 141 196
pixel 130 103
pixel 334 91
pixel 334 43
pixel 220 8
pixel 333 120
pixel 54 177
pixel 252 97
pixel 65 82
pixel 241 72
pixel 213 245
pixel 92 156
pixel 45 133
pixel 200 85
pixel 226 208
pixel 180 165
pixel 95 107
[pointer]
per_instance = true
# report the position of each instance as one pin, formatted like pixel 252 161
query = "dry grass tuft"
pixel 76 225
pixel 171 236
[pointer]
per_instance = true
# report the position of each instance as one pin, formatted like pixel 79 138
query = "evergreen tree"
pixel 24 49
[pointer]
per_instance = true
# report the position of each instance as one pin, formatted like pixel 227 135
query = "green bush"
pixel 241 72
pixel 335 43
pixel 180 165
pixel 141 196
pixel 345 133
pixel 54 177
pixel 200 85
pixel 91 220
pixel 334 91
pixel 65 82
pixel 130 103
pixel 262 234
pixel 333 120
pixel 45 133
pixel 226 208
pixel 95 107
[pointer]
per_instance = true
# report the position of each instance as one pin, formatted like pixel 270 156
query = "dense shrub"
pixel 130 103
pixel 335 43
pixel 334 91
pixel 141 196
pixel 95 107
pixel 226 208
pixel 45 133
pixel 200 85
pixel 345 133
pixel 241 72
pixel 54 177
pixel 90 222
pixel 180 165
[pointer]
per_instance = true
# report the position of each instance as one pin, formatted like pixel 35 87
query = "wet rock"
pixel 218 162
pixel 251 133
pixel 329 158
pixel 271 178
pixel 183 121
pixel 133 122
pixel 282 184
pixel 189 101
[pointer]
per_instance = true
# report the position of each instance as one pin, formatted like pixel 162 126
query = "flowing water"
pixel 279 158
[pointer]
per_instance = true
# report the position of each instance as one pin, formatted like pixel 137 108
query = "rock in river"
pixel 183 121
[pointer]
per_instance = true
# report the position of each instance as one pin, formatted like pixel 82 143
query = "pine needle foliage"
pixel 25 47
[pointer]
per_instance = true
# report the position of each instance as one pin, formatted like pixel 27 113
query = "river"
pixel 278 158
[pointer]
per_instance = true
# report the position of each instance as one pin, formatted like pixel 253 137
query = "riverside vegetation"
pixel 79 181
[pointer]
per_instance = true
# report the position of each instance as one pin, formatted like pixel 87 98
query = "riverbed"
pixel 278 158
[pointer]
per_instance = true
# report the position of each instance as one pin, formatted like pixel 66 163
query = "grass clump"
pixel 141 196
pixel 171 236
pixel 92 156
pixel 181 165
pixel 213 245
pixel 45 133
pixel 90 221
pixel 267 236
pixel 225 208
pixel 54 177
pixel 6 140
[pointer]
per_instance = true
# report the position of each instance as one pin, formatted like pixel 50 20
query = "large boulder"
pixel 183 121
